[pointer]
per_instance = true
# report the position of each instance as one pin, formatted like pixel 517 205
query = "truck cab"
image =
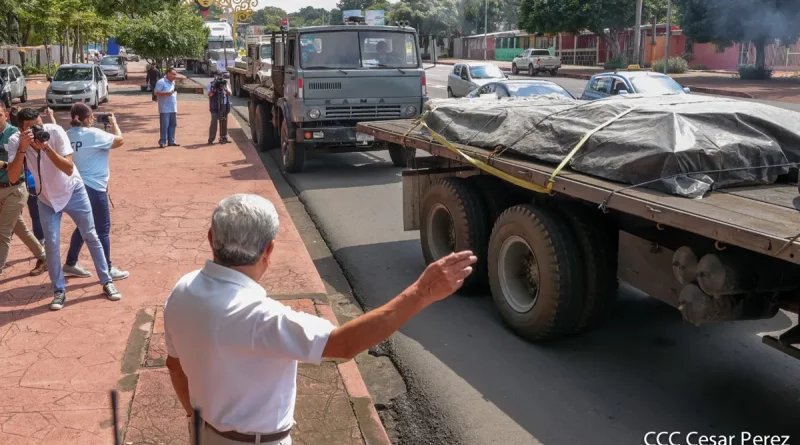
pixel 327 79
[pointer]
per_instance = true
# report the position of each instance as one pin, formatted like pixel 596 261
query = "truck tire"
pixel 293 155
pixel 402 156
pixel 532 71
pixel 497 196
pixel 251 120
pixel 514 69
pixel 265 131
pixel 535 274
pixel 598 243
pixel 240 81
pixel 454 219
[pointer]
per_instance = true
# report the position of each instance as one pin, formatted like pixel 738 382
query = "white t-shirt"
pixel 91 147
pixel 55 186
pixel 239 349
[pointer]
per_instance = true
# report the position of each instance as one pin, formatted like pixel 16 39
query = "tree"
pixel 726 21
pixel 269 17
pixel 185 36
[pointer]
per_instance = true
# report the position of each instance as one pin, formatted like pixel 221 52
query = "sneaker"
pixel 211 141
pixel 76 271
pixel 117 274
pixel 59 298
pixel 41 267
pixel 111 292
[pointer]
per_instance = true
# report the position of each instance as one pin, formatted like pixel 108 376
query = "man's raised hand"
pixel 445 276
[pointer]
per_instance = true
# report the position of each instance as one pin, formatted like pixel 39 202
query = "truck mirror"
pixel 277 53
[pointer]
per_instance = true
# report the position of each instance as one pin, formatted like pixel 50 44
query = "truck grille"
pixel 362 111
pixel 324 86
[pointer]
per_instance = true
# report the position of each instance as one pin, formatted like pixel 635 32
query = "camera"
pixel 102 118
pixel 40 134
pixel 220 81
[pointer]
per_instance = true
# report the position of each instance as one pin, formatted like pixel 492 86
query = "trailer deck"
pixel 763 219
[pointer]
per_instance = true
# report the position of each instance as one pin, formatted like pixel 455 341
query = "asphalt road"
pixel 644 371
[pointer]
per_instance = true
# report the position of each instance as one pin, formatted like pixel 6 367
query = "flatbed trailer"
pixel 548 257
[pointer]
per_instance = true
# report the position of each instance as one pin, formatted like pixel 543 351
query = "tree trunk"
pixel 611 37
pixel 761 52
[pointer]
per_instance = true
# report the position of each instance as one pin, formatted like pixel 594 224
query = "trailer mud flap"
pixel 417 182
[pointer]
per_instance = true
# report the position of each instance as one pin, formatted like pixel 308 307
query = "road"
pixel 644 371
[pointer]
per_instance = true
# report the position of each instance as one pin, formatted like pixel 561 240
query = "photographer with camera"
pixel 13 196
pixel 220 106
pixel 47 151
pixel 92 146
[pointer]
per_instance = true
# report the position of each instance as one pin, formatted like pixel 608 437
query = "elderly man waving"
pixel 233 351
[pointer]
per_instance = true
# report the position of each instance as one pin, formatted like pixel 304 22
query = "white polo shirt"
pixel 239 349
pixel 55 186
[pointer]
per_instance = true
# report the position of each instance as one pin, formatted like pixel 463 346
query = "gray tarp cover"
pixel 663 137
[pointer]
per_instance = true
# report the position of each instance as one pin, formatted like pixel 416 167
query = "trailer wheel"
pixel 251 119
pixel 241 92
pixel 293 155
pixel 453 219
pixel 599 245
pixel 536 277
pixel 402 156
pixel 497 196
pixel 265 131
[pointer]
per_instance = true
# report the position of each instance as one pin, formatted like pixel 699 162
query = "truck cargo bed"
pixel 763 219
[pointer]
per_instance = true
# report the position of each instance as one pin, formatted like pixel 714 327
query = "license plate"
pixel 66 101
pixel 363 137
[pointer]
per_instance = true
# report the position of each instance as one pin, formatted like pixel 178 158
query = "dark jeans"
pixel 33 211
pixel 223 126
pixel 102 224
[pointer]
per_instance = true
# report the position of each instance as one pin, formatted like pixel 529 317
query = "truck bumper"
pixel 341 136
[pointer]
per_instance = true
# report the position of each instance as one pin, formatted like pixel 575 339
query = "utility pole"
pixel 637 39
pixel 485 27
pixel 666 44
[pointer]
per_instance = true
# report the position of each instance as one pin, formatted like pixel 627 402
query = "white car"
pixel 12 85
pixel 78 82
pixel 114 67
pixel 535 61
pixel 466 77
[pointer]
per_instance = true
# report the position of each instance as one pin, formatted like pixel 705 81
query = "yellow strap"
pixel 565 161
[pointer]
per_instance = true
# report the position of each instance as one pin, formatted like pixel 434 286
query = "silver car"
pixel 114 67
pixel 12 85
pixel 466 77
pixel 79 82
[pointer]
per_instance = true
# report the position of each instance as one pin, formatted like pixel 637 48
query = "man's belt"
pixel 5 185
pixel 250 438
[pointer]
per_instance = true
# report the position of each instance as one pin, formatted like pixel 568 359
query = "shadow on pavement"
pixel 344 170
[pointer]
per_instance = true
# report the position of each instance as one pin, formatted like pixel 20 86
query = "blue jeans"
pixel 80 210
pixel 33 211
pixel 168 123
pixel 102 225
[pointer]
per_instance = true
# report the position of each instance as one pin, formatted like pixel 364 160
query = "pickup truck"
pixel 536 61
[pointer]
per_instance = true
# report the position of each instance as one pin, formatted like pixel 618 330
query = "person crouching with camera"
pixel 219 105
pixel 47 151
pixel 92 146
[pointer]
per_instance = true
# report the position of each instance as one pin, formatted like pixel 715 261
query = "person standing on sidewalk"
pixel 33 204
pixel 214 89
pixel 153 74
pixel 61 190
pixel 92 146
pixel 167 108
pixel 13 196
pixel 233 351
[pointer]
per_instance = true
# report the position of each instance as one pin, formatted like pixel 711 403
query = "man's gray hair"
pixel 242 226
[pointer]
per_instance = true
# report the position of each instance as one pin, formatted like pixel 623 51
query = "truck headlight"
pixel 411 111
pixel 314 113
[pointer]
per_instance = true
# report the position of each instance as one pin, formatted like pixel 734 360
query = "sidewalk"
pixel 57 368
pixel 782 88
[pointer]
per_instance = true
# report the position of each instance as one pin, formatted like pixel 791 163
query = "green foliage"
pixel 618 62
pixel 429 17
pixel 675 65
pixel 754 72
pixel 30 70
pixel 149 37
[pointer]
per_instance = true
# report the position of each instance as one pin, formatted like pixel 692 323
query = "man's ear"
pixel 210 239
pixel 268 251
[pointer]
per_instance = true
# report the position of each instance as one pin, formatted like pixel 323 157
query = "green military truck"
pixel 327 79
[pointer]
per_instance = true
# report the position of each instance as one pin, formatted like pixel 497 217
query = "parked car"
pixel 521 88
pixel 536 61
pixel 114 67
pixel 12 85
pixel 466 77
pixel 132 56
pixel 630 82
pixel 79 82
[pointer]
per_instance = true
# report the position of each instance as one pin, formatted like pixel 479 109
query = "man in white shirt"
pixel 60 190
pixel 233 351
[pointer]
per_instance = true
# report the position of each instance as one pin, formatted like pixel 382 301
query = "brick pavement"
pixel 57 368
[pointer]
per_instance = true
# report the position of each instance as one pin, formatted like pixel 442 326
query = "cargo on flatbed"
pixel 547 257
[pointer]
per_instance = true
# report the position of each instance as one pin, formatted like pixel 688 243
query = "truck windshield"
pixel 266 52
pixel 218 45
pixel 358 49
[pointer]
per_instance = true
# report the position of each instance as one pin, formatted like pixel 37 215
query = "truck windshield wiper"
pixel 381 65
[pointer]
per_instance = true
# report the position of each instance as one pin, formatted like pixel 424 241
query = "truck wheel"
pixel 553 73
pixel 241 92
pixel 514 69
pixel 265 131
pixel 497 196
pixel 535 275
pixel 453 219
pixel 293 155
pixel 251 120
pixel 24 97
pixel 531 71
pixel 599 245
pixel 402 156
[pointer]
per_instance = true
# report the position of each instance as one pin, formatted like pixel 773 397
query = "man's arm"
pixel 17 151
pixel 439 280
pixel 118 139
pixel 63 163
pixel 180 383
